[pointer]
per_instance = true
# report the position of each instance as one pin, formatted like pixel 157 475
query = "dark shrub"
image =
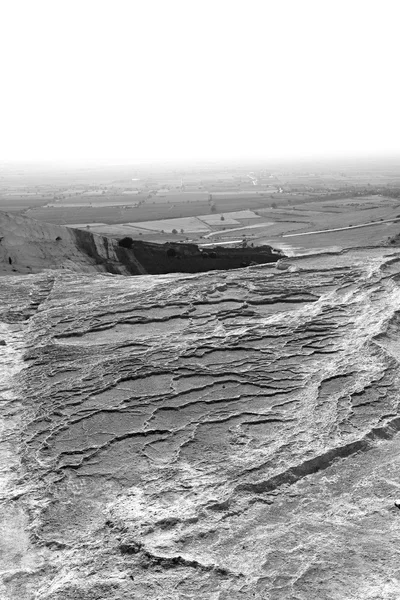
pixel 126 242
pixel 58 239
pixel 204 254
pixel 212 254
pixel 171 252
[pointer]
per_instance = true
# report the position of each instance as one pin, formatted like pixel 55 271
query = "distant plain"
pixel 206 204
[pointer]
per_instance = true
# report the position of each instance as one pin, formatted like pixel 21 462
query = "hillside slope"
pixel 224 435
pixel 29 246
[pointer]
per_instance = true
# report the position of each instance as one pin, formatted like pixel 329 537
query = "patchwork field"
pixel 215 203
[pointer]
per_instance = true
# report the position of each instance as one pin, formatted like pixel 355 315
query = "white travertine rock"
pixel 229 435
pixel 29 246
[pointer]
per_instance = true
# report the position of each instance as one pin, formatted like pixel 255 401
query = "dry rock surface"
pixel 219 436
pixel 29 246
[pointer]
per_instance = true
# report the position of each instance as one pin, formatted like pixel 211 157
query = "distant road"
pixel 226 243
pixel 253 179
pixel 224 231
pixel 285 235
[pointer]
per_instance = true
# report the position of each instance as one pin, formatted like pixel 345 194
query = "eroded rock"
pixel 224 435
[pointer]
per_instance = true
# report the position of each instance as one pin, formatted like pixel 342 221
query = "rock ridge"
pixel 28 246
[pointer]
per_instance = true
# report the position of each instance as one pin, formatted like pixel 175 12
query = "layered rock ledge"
pixel 225 435
pixel 28 246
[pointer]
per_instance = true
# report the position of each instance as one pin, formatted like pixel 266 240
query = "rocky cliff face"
pixel 28 246
pixel 226 435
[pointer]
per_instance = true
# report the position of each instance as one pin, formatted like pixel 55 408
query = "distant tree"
pixel 213 208
pixel 171 252
pixel 274 205
pixel 182 231
pixel 126 242
pixel 222 218
pixel 174 231
pixel 212 254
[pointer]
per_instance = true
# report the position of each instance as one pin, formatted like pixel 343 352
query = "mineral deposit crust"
pixel 228 435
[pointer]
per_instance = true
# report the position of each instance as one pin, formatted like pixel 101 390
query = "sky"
pixel 150 80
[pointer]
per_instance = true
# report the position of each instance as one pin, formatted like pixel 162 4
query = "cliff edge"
pixel 29 246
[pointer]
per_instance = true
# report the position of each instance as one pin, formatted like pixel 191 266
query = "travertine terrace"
pixel 227 435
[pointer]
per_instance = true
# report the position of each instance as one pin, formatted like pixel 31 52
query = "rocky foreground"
pixel 227 435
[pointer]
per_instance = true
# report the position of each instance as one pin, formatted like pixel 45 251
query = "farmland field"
pixel 217 203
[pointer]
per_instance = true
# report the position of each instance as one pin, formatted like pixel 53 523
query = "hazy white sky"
pixel 171 79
